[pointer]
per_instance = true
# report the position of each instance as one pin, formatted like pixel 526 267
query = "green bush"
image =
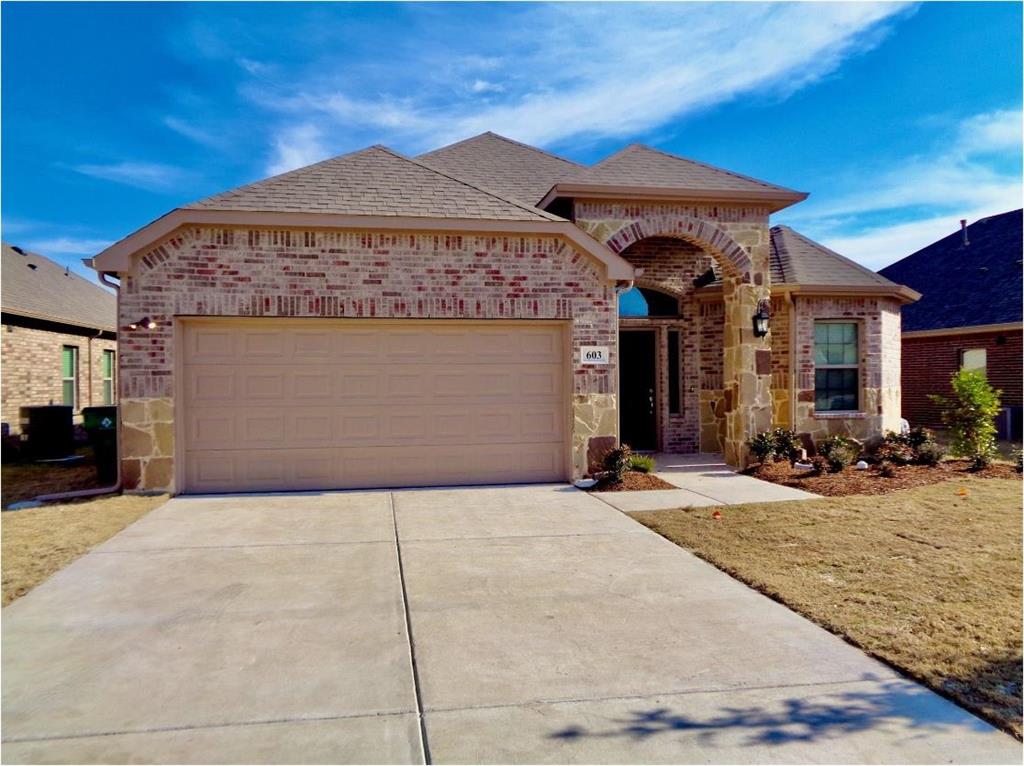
pixel 839 451
pixel 762 446
pixel 970 414
pixel 641 463
pixel 778 444
pixel 786 445
pixel 617 460
pixel 1018 460
pixel 930 453
pixel 819 464
pixel 895 448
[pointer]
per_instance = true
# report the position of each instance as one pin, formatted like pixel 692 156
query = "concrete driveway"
pixel 516 624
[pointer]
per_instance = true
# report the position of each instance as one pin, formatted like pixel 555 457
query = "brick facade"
pixel 31 359
pixel 930 361
pixel 298 273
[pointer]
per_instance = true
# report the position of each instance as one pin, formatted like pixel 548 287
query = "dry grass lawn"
pixel 23 481
pixel 926 579
pixel 39 541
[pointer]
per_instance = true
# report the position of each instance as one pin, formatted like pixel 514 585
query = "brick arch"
pixel 723 248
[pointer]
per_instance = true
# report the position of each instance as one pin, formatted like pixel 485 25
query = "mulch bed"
pixel 850 481
pixel 632 481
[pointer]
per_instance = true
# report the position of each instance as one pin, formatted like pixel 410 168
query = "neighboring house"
pixel 59 337
pixel 376 320
pixel 969 316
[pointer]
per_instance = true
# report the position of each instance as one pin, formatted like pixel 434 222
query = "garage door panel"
pixel 314 404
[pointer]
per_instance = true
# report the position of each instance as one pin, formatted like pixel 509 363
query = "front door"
pixel 637 389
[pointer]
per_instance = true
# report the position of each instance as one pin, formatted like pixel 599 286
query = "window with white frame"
pixel 69 375
pixel 836 367
pixel 108 377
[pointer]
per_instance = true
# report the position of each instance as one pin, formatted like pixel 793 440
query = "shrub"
pixel 886 469
pixel 641 463
pixel 762 446
pixel 616 461
pixel 839 451
pixel 1018 460
pixel 895 448
pixel 819 464
pixel 786 444
pixel 970 414
pixel 929 453
pixel 778 444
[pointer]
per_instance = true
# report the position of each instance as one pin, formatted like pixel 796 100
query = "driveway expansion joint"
pixel 424 745
pixel 201 726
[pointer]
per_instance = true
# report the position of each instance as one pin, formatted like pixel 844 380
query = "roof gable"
pixel 375 181
pixel 35 286
pixel 965 285
pixel 494 162
pixel 642 167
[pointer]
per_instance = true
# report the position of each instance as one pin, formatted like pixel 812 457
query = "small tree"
pixel 970 414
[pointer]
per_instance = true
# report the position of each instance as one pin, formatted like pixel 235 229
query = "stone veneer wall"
pixel 32 371
pixel 738 238
pixel 239 271
pixel 879 332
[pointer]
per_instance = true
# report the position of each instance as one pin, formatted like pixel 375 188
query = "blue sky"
pixel 899 119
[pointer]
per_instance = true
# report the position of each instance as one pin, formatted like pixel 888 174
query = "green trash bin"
pixel 100 425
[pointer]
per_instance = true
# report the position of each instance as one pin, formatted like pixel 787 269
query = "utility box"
pixel 100 425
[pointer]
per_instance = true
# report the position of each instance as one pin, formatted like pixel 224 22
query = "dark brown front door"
pixel 636 389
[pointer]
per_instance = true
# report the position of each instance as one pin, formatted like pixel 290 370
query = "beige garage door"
pixel 321 404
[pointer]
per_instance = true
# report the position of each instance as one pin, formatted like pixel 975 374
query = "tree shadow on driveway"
pixel 818 716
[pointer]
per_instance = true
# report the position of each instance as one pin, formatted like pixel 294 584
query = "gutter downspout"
pixel 792 361
pixel 116 486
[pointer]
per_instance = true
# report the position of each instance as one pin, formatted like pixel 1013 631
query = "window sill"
pixel 839 415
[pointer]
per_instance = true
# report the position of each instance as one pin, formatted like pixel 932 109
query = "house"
pixel 381 320
pixel 970 316
pixel 59 337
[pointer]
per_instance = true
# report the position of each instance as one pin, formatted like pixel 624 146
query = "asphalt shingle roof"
pixel 32 285
pixel 375 181
pixel 965 285
pixel 641 166
pixel 798 260
pixel 508 167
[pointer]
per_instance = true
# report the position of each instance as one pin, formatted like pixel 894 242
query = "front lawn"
pixel 24 480
pixel 926 579
pixel 39 541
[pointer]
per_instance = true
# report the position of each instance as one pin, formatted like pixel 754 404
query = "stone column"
pixel 747 361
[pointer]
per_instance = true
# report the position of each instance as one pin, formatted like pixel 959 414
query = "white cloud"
pixel 586 70
pixel 193 132
pixel 152 176
pixel 66 246
pixel 483 86
pixel 972 173
pixel 296 147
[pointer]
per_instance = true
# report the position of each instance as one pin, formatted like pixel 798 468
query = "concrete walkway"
pixel 481 625
pixel 703 480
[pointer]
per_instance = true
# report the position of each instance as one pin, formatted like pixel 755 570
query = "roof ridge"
pixel 507 200
pixel 709 166
pixel 507 140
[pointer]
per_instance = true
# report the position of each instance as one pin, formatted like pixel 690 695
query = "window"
pixel 108 377
pixel 641 302
pixel 69 375
pixel 974 359
pixel 836 375
pixel 673 372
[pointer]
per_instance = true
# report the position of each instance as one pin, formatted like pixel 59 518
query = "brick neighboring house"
pixel 969 315
pixel 59 337
pixel 487 312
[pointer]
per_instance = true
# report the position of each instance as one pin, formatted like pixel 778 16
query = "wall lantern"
pixel 145 323
pixel 761 318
